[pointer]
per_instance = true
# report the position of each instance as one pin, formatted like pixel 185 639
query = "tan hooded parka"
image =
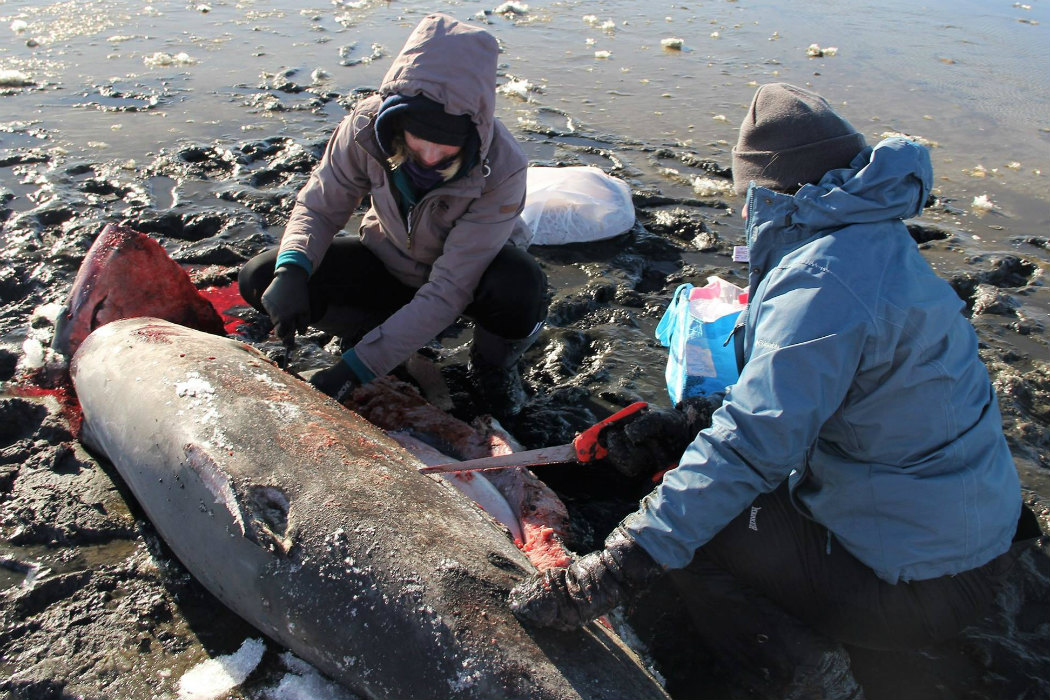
pixel 455 231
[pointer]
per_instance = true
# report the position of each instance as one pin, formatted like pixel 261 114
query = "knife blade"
pixel 583 449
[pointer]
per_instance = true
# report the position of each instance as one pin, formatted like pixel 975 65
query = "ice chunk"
pixel 512 8
pixel 983 203
pixel 166 59
pixel 214 678
pixel 14 78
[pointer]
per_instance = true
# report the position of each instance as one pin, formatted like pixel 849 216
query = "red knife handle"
pixel 586 443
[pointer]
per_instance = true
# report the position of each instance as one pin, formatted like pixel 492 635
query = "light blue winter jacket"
pixel 862 386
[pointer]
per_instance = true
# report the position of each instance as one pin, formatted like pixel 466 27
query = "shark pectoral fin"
pixel 260 512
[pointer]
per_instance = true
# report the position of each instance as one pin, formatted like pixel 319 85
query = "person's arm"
pixel 808 341
pixel 323 206
pixel 807 348
pixel 334 190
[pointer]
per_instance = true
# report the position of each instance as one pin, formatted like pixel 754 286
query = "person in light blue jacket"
pixel 856 476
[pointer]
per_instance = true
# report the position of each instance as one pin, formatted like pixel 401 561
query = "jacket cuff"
pixel 295 257
pixel 358 367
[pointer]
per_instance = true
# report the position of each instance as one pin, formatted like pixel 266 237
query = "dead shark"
pixel 316 527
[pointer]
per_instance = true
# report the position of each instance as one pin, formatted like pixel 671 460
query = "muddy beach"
pixel 198 123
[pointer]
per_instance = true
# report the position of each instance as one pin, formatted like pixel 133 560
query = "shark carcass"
pixel 315 526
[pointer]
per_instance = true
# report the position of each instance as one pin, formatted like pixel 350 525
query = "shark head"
pixel 127 274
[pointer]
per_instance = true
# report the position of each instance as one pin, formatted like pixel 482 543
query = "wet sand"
pixel 198 127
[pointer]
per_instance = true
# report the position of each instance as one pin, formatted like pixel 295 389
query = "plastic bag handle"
pixel 668 323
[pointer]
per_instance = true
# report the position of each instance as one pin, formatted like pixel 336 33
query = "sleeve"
pixel 323 206
pixel 808 340
pixel 472 244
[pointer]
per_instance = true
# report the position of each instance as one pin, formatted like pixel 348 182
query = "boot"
pixel 495 371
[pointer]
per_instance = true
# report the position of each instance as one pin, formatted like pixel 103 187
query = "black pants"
pixel 773 551
pixel 510 300
pixel 773 592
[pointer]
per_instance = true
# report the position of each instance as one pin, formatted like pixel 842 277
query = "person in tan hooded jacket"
pixel 442 237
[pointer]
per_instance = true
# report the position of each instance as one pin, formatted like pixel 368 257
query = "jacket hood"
pixel 888 182
pixel 452 63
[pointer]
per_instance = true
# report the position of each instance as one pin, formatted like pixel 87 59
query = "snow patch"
pixel 709 187
pixel 211 679
pixel 983 203
pixel 304 682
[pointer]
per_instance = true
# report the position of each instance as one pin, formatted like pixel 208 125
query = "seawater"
pixel 120 80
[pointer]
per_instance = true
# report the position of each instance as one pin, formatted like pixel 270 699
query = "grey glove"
pixel 287 300
pixel 337 381
pixel 567 598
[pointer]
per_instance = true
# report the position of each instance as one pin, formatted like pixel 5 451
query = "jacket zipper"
pixel 486 171
pixel 742 319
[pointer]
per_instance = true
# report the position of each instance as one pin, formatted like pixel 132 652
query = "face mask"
pixel 425 178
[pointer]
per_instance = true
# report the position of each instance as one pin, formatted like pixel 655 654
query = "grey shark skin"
pixel 315 526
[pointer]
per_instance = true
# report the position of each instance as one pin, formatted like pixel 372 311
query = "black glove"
pixel 287 300
pixel 567 598
pixel 655 440
pixel 337 381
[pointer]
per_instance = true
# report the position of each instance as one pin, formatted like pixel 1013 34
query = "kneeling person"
pixel 442 237
pixel 855 484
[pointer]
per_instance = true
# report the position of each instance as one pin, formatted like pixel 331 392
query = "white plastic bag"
pixel 575 204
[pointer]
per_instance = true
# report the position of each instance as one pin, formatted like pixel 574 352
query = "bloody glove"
pixel 567 598
pixel 287 300
pixel 337 381
pixel 655 440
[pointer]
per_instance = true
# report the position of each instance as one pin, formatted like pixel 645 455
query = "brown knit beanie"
pixel 791 137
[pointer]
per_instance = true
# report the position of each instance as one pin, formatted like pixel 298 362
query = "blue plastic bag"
pixel 694 329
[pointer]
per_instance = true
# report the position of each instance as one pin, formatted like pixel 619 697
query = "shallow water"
pixel 124 82
pixel 970 75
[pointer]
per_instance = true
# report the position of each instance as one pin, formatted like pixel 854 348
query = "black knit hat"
pixel 791 137
pixel 424 118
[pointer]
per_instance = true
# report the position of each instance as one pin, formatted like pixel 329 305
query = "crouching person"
pixel 854 487
pixel 442 237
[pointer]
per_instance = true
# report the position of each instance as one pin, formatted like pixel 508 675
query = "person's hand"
pixel 567 598
pixel 287 301
pixel 655 440
pixel 336 381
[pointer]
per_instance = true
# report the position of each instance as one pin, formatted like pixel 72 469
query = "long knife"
pixel 582 450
